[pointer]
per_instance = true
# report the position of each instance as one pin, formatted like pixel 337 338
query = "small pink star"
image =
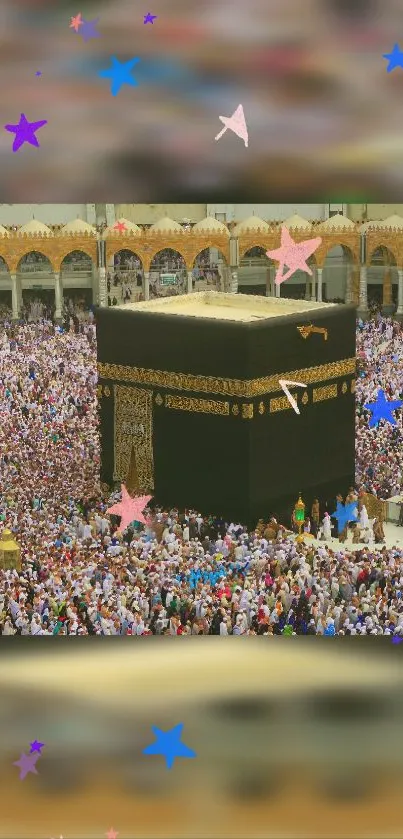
pixel 112 834
pixel 76 22
pixel 129 509
pixel 293 255
pixel 120 226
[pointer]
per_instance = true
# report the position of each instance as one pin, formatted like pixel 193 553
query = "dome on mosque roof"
pixel 112 230
pixel 251 223
pixel 165 225
pixel 337 222
pixel 35 226
pixel 296 222
pixel 392 221
pixel 210 225
pixel 77 226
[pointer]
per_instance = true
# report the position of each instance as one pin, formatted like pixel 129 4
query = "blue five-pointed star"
pixel 395 58
pixel 344 513
pixel 119 74
pixel 169 744
pixel 396 639
pixel 382 409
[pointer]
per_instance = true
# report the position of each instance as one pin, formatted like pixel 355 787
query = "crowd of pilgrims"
pixel 182 573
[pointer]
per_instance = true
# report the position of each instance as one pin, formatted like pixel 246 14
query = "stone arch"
pixel 256 271
pixel 125 273
pixel 208 274
pixel 5 293
pixel 385 248
pixel 31 258
pixel 382 277
pixel 76 253
pixel 329 244
pixel 126 259
pixel 340 273
pixel 4 267
pixel 257 241
pixel 21 253
pixel 32 263
pixel 167 261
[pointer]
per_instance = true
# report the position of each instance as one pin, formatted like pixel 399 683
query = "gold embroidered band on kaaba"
pixel 225 387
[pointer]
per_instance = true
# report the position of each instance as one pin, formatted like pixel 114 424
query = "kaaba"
pixel 191 386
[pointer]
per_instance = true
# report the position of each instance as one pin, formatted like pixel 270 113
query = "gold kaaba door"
pixel 133 429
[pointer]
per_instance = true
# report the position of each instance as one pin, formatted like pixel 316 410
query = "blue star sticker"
pixel 169 744
pixel 382 409
pixel 344 513
pixel 120 74
pixel 395 58
pixel 396 639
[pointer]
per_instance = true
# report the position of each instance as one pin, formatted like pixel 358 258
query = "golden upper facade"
pixel 57 242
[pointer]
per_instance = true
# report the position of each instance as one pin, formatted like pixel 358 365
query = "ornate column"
pixel 234 263
pixel 313 283
pixel 387 302
pixel 362 310
pixel 58 297
pixel 190 282
pixel 268 283
pixel 356 284
pixel 14 297
pixel 349 284
pixel 146 289
pixel 277 287
pixel 319 275
pixel 307 287
pixel 387 288
pixel 234 281
pixel 399 312
pixel 102 288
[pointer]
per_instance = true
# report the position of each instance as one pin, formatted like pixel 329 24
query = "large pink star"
pixel 129 509
pixel 293 255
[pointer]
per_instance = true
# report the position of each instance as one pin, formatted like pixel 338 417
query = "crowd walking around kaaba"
pixel 183 573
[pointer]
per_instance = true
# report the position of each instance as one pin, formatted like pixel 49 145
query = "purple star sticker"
pixel 25 132
pixel 36 746
pixel 26 764
pixel 149 18
pixel 396 639
pixel 88 29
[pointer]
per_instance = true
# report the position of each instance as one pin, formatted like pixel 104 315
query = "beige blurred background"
pixel 324 116
pixel 292 739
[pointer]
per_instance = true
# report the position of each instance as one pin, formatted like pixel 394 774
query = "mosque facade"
pixel 67 250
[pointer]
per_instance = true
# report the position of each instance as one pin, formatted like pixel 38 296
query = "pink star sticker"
pixel 120 226
pixel 293 255
pixel 76 22
pixel 129 509
pixel 112 834
pixel 235 123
